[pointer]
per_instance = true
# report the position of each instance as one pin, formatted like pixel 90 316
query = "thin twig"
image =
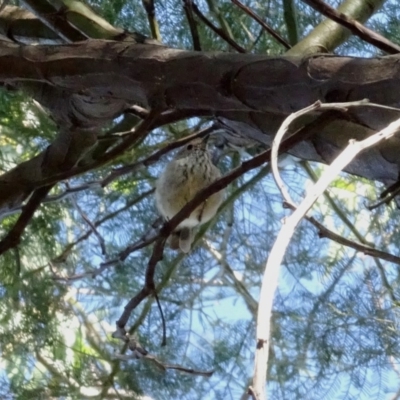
pixel 253 15
pixel 13 237
pixel 237 284
pixel 187 7
pixel 138 111
pixel 138 352
pixel 164 334
pixel 91 225
pixel 376 254
pixel 387 196
pixel 368 250
pixel 146 240
pixel 134 135
pixel 189 370
pixel 220 32
pixel 124 357
pixel 149 286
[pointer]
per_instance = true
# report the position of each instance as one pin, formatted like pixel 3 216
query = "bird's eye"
pixel 189 147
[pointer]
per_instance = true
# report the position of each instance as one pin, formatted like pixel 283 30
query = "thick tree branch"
pixel 59 161
pixel 328 35
pixel 355 27
pixel 49 16
pixel 73 23
pixel 232 86
pixel 21 26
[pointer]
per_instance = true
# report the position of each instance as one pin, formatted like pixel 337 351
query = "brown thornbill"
pixel 190 171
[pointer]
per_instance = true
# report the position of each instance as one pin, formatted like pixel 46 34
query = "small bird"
pixel 190 171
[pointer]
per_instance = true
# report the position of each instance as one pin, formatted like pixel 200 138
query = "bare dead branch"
pixel 355 27
pixel 272 269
